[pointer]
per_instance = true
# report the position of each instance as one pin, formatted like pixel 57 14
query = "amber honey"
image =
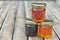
pixel 38 12
pixel 45 29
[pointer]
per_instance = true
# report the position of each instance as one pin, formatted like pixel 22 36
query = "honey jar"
pixel 45 28
pixel 38 11
pixel 31 28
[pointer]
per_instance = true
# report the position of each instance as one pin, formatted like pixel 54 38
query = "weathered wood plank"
pixel 6 32
pixel 1 3
pixel 35 38
pixel 19 33
pixel 28 9
pixel 4 12
pixel 20 13
pixel 55 14
pixel 4 9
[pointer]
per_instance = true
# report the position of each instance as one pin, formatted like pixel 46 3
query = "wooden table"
pixel 12 18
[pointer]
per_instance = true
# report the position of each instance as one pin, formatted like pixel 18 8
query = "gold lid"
pixel 47 22
pixel 38 5
pixel 30 22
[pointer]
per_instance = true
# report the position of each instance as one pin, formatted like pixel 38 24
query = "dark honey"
pixel 31 28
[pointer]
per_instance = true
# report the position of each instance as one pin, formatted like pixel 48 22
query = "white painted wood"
pixel 19 33
pixel 1 3
pixel 58 2
pixel 35 38
pixel 4 12
pixel 20 11
pixel 56 21
pixel 6 31
pixel 28 14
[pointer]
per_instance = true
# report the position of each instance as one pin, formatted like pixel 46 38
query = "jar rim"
pixel 27 21
pixel 38 4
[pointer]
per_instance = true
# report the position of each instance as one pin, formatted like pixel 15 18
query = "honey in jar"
pixel 38 11
pixel 31 28
pixel 45 29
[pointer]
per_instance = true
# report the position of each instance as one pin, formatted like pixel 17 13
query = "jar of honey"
pixel 31 28
pixel 45 29
pixel 38 11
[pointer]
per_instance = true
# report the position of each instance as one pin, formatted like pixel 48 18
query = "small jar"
pixel 31 28
pixel 38 11
pixel 45 28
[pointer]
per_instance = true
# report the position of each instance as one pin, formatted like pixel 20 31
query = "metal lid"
pixel 47 22
pixel 27 21
pixel 38 5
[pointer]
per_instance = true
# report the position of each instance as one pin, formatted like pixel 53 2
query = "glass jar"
pixel 38 11
pixel 31 28
pixel 45 29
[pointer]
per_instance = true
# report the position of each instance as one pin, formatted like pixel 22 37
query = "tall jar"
pixel 38 11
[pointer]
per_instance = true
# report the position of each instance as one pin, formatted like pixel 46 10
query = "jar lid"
pixel 47 22
pixel 29 21
pixel 38 5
